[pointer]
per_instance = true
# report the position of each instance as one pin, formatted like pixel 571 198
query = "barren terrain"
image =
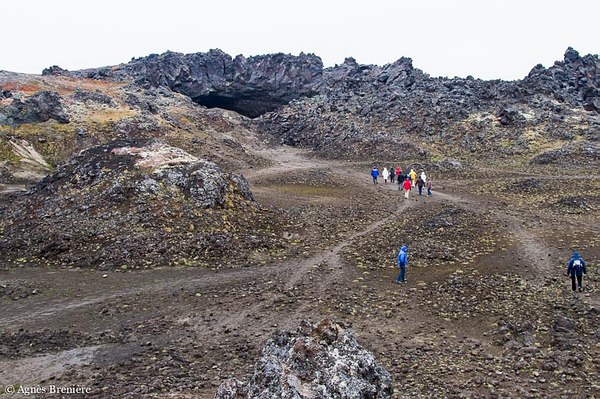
pixel 487 310
pixel 152 237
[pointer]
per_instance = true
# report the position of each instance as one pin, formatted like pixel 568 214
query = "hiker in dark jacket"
pixel 420 184
pixel 402 262
pixel 576 269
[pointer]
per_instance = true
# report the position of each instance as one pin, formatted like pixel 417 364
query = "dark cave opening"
pixel 213 100
pixel 241 106
pixel 251 107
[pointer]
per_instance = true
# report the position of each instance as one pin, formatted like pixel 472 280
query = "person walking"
pixel 385 174
pixel 402 262
pixel 413 176
pixel 420 184
pixel 374 174
pixel 392 174
pixel 399 175
pixel 406 186
pixel 428 185
pixel 424 177
pixel 576 268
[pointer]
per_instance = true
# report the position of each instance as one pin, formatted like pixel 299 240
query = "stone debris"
pixel 317 361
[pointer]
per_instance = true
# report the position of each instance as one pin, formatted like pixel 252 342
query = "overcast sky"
pixel 487 39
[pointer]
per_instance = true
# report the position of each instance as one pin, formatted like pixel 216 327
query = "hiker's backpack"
pixel 577 265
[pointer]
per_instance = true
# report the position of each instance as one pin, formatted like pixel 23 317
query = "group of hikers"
pixel 576 268
pixel 406 181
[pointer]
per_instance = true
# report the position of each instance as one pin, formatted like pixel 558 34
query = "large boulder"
pixel 316 361
pixel 40 107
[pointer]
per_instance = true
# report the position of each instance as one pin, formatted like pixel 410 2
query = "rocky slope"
pixel 347 111
pixel 134 203
pixel 250 86
pixel 398 111
pixel 44 120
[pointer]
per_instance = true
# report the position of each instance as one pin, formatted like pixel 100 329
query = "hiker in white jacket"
pixel 385 174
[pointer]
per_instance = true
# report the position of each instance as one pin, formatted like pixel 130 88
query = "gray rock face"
pixel 40 107
pixel 54 70
pixel 123 171
pixel 250 86
pixel 384 110
pixel 317 361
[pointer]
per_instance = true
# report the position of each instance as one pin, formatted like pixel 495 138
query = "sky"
pixel 487 39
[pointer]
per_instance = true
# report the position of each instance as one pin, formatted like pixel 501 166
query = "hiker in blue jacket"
pixel 576 269
pixel 375 174
pixel 402 262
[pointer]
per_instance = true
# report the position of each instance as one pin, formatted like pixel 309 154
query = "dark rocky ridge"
pixel 575 81
pixel 397 109
pixel 250 86
pixel 351 110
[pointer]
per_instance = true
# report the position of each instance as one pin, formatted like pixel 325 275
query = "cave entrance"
pixel 213 100
pixel 250 107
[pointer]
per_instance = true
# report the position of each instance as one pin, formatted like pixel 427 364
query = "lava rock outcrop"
pixel 40 107
pixel 397 111
pixel 575 80
pixel 250 86
pixel 134 203
pixel 386 112
pixel 317 361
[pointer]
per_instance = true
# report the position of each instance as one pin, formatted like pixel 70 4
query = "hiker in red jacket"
pixel 406 185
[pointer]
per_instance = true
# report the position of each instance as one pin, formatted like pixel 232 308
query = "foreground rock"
pixel 134 203
pixel 321 361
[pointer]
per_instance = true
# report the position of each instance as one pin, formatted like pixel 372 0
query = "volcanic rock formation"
pixel 250 86
pixel 132 202
pixel 317 361
pixel 397 110
pixel 40 107
pixel 351 110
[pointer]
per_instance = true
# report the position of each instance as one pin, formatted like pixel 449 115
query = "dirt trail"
pixel 291 159
pixel 136 284
pixel 285 159
pixel 331 256
pixel 531 248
